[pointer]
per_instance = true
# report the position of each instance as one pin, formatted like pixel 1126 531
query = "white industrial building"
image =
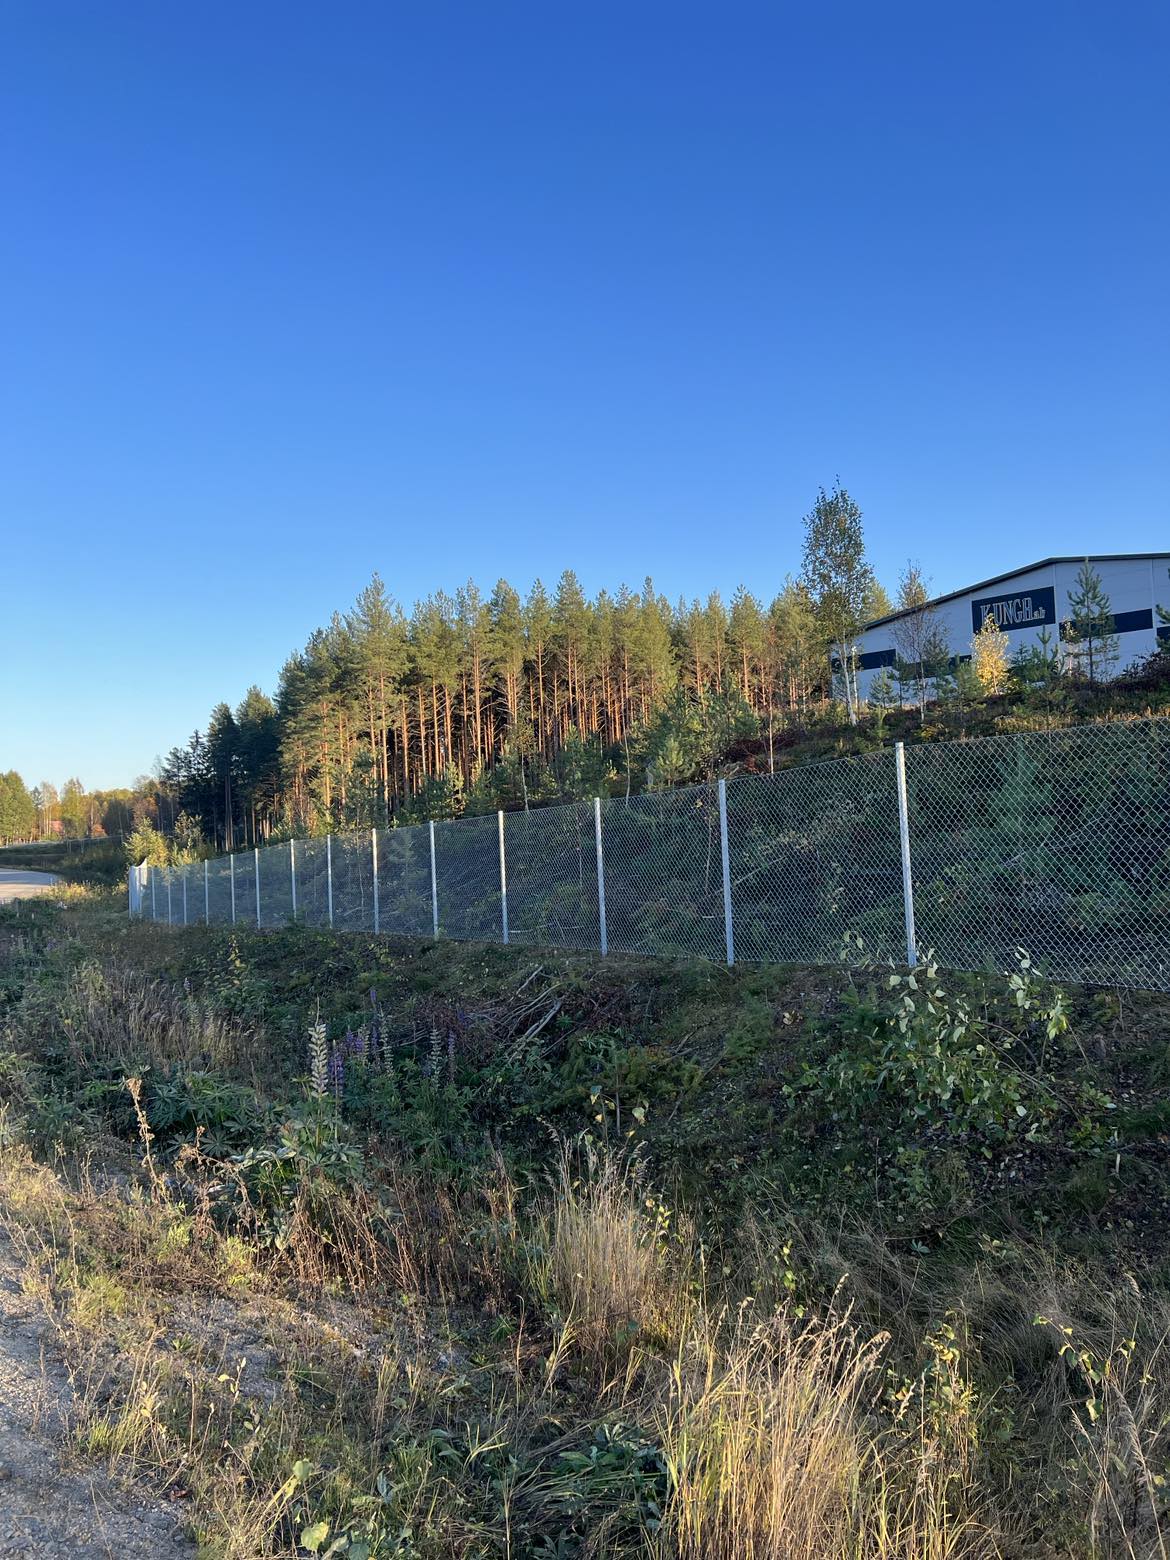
pixel 1028 603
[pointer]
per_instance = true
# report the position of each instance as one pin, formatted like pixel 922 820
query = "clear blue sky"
pixel 294 292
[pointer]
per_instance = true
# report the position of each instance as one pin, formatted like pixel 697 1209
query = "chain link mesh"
pixel 313 882
pixel 219 891
pixel 552 877
pixel 1054 842
pixel 467 869
pixel 404 881
pixel 276 890
pixel 663 873
pixel 815 853
pixel 353 882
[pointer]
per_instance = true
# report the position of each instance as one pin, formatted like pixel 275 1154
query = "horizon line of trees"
pixel 46 811
pixel 474 700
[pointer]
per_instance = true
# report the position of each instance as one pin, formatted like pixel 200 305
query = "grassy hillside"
pixel 435 1249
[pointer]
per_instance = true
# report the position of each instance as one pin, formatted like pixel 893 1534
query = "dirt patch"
pixel 51 1508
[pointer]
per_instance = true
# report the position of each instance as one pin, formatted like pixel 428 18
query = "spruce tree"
pixel 1090 630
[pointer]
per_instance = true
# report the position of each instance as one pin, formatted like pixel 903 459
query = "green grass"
pixel 561 1186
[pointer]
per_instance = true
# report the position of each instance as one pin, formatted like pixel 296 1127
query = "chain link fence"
pixel 1057 843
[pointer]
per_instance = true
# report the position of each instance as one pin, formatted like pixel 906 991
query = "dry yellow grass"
pixel 784 1435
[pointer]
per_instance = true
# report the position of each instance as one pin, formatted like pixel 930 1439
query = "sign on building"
pixel 1027 609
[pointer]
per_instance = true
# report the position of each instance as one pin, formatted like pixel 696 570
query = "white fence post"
pixel 256 864
pixel 728 929
pixel 907 870
pixel 600 877
pixel 292 874
pixel 329 873
pixel 232 869
pixel 434 884
pixel 170 875
pixel 374 856
pixel 184 896
pixel 503 879
pixel 206 892
pixel 153 899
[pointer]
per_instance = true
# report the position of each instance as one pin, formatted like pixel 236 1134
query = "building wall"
pixel 1027 603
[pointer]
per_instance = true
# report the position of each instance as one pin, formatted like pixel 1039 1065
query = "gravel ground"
pixel 50 1509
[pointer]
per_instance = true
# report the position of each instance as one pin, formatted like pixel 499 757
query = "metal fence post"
pixel 153 899
pixel 600 876
pixel 206 892
pixel 184 896
pixel 292 874
pixel 374 856
pixel 170 875
pixel 904 836
pixel 503 879
pixel 329 873
pixel 434 884
pixel 232 870
pixel 728 929
pixel 256 864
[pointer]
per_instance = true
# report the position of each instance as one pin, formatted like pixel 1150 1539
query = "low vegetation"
pixel 367 1248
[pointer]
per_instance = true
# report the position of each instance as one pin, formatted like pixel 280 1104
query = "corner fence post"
pixel 907 871
pixel 374 855
pixel 206 892
pixel 434 884
pixel 503 879
pixel 329 874
pixel 728 929
pixel 232 869
pixel 292 874
pixel 600 877
pixel 256 863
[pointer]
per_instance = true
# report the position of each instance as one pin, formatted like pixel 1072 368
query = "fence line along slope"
pixel 1057 843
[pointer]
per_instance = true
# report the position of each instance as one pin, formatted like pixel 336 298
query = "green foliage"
pixel 18 813
pixel 919 1068
pixel 224 1117
pixel 308 1172
pixel 147 845
pixel 688 737
pixel 839 579
pixel 1090 630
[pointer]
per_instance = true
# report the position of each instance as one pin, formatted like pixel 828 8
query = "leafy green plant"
pixel 934 1055
pixel 224 1115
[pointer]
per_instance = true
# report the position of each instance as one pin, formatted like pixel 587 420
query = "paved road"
pixel 20 885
